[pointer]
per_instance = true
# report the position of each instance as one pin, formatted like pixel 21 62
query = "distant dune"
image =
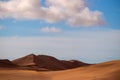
pixel 47 62
pixel 103 71
pixel 6 63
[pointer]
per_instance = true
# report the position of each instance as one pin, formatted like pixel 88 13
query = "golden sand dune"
pixel 103 71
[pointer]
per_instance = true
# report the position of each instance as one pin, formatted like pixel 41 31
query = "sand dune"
pixel 103 71
pixel 6 63
pixel 47 62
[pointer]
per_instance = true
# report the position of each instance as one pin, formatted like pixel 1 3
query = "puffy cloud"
pixel 73 12
pixel 51 30
pixel 86 18
pixel 19 9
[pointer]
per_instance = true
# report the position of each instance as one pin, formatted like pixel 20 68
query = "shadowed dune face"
pixel 102 71
pixel 47 62
pixel 6 63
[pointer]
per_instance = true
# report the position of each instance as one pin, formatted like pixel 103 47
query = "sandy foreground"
pixel 103 71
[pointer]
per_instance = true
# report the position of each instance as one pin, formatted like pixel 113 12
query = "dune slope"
pixel 103 71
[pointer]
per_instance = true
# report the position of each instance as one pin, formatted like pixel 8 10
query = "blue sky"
pixel 85 30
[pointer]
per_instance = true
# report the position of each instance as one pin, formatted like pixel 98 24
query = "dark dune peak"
pixel 6 63
pixel 47 62
pixel 25 61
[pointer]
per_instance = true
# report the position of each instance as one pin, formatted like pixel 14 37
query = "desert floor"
pixel 103 71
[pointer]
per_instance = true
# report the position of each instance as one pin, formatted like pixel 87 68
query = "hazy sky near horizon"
pixel 87 30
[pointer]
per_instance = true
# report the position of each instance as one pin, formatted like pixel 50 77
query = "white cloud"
pixel 73 12
pixel 50 30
